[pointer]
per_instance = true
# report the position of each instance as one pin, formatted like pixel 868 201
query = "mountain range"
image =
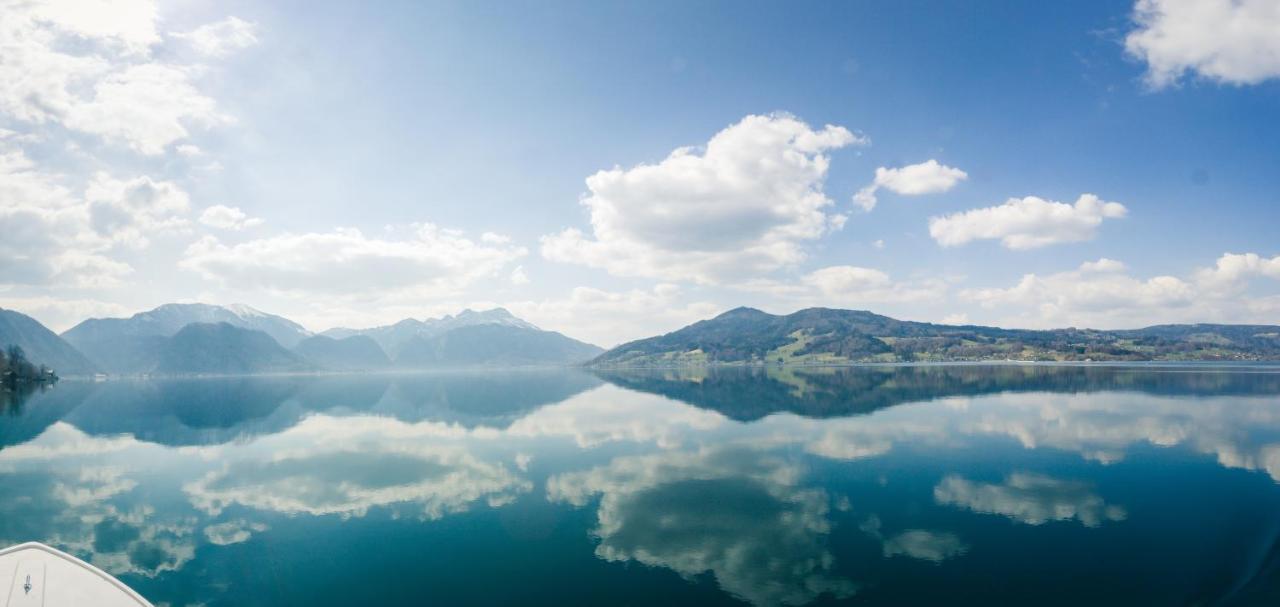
pixel 393 338
pixel 179 339
pixel 132 345
pixel 354 353
pixel 470 338
pixel 225 349
pixel 829 336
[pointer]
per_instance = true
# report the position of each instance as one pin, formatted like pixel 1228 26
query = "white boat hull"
pixel 35 575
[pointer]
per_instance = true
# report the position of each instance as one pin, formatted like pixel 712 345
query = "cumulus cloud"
pixel 221 37
pixel 519 277
pixel 1027 223
pixel 1232 268
pixel 56 236
pixel 38 217
pixel 847 286
pixel 96 69
pixel 1103 294
pixel 746 202
pixel 929 177
pixel 1033 499
pixel 130 211
pixel 228 218
pixel 146 107
pixel 89 67
pixel 1226 41
pixel 494 238
pixel 430 260
pixel 1096 290
pixel 607 318
pixel 61 313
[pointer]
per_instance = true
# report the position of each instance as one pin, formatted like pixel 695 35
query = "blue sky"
pixel 1093 164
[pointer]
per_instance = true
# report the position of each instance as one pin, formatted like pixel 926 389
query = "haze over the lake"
pixel 615 171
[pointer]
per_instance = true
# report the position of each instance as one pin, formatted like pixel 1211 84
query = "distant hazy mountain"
pixel 393 337
pixel 487 338
pixel 42 346
pixel 132 345
pixel 354 353
pixel 494 345
pixel 822 335
pixel 222 348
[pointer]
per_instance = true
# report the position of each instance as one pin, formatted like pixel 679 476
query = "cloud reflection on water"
pixel 679 487
pixel 1029 498
pixel 736 512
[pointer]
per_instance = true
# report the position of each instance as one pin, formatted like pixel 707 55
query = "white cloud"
pixel 1029 498
pixel 128 25
pixel 607 318
pixel 1027 223
pixel 228 218
pixel 1102 265
pixel 61 313
pixel 847 286
pixel 57 237
pixel 146 107
pixel 929 177
pixel 1101 294
pixel 519 277
pixel 494 238
pixel 89 67
pixel 1232 268
pixel 1228 41
pixel 221 37
pixel 87 270
pixel 1098 293
pixel 131 211
pixel 745 203
pixel 431 260
pixel 95 68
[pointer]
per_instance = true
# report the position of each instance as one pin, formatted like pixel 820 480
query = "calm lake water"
pixel 929 485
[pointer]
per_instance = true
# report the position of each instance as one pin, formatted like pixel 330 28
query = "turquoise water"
pixel 949 484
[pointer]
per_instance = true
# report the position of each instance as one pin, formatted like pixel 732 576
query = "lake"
pixel 927 485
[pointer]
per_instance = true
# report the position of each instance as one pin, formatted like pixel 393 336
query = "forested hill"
pixel 41 346
pixel 830 336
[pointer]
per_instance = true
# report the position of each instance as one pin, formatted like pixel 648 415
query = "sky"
pixel 618 170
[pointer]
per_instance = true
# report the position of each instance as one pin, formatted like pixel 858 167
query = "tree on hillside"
pixel 16 369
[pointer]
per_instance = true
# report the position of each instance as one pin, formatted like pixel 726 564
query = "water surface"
pixel 944 484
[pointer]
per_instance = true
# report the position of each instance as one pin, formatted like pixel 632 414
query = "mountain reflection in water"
pixel 968 484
